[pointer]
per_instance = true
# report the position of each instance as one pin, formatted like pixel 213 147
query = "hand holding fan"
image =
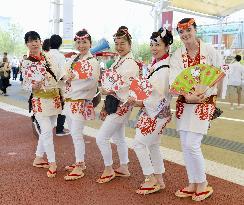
pixel 81 69
pixel 36 74
pixel 196 78
pixel 112 81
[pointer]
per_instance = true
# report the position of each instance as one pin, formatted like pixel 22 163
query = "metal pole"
pixel 56 16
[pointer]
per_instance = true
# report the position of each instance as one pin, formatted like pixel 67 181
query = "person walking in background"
pixel 46 45
pixel 4 74
pixel 20 70
pixel 235 78
pixel 58 58
pixel 15 64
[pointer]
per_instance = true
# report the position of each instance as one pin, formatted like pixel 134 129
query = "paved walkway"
pixel 23 184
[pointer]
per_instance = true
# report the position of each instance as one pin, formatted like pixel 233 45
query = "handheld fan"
pixel 111 80
pixel 199 77
pixel 35 73
pixel 81 69
pixel 140 88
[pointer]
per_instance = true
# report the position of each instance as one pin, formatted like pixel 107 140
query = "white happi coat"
pixel 194 117
pixel 155 114
pixel 42 106
pixel 127 67
pixel 82 89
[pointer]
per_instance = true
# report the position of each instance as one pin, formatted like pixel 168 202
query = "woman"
pixel 45 99
pixel 126 66
pixel 193 111
pixel 4 74
pixel 78 99
pixel 154 115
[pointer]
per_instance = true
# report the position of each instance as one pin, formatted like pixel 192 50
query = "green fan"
pixel 199 77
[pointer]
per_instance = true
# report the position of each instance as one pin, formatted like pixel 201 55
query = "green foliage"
pixel 176 44
pixel 11 40
pixel 142 51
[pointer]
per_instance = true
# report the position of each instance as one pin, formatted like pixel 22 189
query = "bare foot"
pixel 123 169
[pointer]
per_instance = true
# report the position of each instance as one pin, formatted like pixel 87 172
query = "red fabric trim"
pixel 202 193
pixel 162 58
pixel 39 57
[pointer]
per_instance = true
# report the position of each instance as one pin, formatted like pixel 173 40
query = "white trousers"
pixel 76 127
pixel 150 157
pixel 111 128
pixel 193 157
pixel 45 142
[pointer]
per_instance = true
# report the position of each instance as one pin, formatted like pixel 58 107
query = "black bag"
pixel 97 99
pixel 111 104
pixel 217 113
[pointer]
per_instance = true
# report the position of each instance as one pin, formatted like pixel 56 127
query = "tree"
pixel 11 40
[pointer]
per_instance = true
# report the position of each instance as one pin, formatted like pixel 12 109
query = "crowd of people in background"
pixel 63 95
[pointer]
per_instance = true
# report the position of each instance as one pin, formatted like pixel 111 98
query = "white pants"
pixel 76 127
pixel 45 142
pixel 194 161
pixel 115 130
pixel 150 157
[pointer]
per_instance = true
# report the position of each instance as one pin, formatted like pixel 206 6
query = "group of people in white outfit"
pixel 193 111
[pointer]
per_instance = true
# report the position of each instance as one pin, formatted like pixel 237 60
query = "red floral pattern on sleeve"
pixel 204 111
pixel 179 109
pixel 146 124
pixel 122 110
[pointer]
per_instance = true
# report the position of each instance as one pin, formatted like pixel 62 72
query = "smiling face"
pixel 83 46
pixel 187 35
pixel 34 46
pixel 158 49
pixel 122 46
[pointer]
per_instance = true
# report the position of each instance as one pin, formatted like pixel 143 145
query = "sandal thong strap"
pixel 74 175
pixel 105 177
pixel 52 172
pixel 187 192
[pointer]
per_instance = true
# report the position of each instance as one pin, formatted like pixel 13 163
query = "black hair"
pixel 123 31
pixel 185 20
pixel 55 41
pixel 46 45
pixel 31 35
pixel 81 33
pixel 167 39
pixel 238 58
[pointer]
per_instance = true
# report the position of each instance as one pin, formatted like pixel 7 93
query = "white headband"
pixel 159 37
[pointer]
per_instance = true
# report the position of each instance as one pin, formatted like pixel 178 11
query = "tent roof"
pixel 217 8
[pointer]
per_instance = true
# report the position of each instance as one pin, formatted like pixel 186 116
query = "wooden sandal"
pixel 45 165
pixel 70 168
pixel 120 174
pixel 183 194
pixel 203 195
pixel 76 173
pixel 148 190
pixel 51 174
pixel 105 179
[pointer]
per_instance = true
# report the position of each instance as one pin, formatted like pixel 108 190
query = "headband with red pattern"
pixel 186 25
